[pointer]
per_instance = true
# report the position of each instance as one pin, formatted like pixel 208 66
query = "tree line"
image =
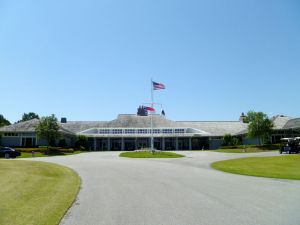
pixel 25 117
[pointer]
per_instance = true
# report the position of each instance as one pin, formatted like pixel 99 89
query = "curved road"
pixel 183 191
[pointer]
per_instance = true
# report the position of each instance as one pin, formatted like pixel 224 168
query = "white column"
pixel 190 143
pixel 163 144
pixel 122 144
pixel 95 144
pixel 176 143
pixel 21 137
pixel 108 144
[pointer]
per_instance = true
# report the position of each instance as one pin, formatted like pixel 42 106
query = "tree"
pixel 3 121
pixel 48 129
pixel 260 126
pixel 81 141
pixel 29 116
pixel 229 140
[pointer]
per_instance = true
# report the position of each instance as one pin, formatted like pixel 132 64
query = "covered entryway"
pixel 129 144
pixel 28 142
pixel 143 143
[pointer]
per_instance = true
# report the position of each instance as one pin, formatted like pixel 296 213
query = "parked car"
pixel 9 152
pixel 289 145
pixel 297 140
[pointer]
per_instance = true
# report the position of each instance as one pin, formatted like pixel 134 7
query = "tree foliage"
pixel 229 140
pixel 48 129
pixel 81 141
pixel 3 121
pixel 260 126
pixel 29 116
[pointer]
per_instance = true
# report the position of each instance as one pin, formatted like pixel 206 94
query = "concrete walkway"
pixel 183 191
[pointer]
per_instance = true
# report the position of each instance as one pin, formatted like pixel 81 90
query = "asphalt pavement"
pixel 181 191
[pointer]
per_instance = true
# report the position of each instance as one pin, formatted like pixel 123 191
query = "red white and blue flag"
pixel 158 86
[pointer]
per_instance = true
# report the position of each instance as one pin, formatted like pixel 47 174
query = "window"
pixel 179 131
pixel 167 131
pixel 28 134
pixel 117 131
pixel 156 131
pixel 142 131
pixel 104 131
pixel 11 134
pixel 130 131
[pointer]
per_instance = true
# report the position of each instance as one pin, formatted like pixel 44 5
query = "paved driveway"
pixel 184 191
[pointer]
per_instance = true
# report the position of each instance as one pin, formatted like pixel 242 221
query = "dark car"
pixel 9 152
pixel 289 145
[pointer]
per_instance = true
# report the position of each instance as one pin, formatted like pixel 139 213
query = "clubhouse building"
pixel 130 131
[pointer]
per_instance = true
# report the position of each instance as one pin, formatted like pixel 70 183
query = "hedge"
pixel 44 149
pixel 262 147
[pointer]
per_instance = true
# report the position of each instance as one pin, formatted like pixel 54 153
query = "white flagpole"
pixel 151 118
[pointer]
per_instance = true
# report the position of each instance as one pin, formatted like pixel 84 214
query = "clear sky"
pixel 94 59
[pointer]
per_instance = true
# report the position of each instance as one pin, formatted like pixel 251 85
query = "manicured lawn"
pixel 35 193
pixel 39 154
pixel 247 150
pixel 150 155
pixel 285 166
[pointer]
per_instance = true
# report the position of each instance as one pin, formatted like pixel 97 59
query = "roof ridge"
pixel 219 121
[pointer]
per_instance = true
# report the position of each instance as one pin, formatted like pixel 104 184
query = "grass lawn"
pixel 247 150
pixel 150 155
pixel 39 154
pixel 285 166
pixel 35 193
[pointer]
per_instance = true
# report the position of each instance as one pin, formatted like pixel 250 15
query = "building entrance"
pixel 158 143
pixel 28 142
pixel 143 143
pixel 183 144
pixel 102 145
pixel 129 144
pixel 116 144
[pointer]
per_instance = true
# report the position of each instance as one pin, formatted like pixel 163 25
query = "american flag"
pixel 158 86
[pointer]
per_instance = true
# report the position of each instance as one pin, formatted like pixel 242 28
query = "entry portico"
pixel 130 132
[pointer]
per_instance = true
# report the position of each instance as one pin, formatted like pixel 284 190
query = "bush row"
pixel 44 149
pixel 261 147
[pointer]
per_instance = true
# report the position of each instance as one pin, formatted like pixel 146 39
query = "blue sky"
pixel 90 60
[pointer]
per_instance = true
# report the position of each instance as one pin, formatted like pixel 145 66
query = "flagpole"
pixel 151 118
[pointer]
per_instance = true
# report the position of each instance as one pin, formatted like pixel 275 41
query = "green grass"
pixel 40 154
pixel 35 193
pixel 247 150
pixel 150 155
pixel 285 167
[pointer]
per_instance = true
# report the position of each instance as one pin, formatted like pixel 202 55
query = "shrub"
pixel 229 140
pixel 44 149
pixel 62 143
pixel 261 147
pixel 81 142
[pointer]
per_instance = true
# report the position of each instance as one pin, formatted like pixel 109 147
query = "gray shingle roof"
pixel 280 121
pixel 27 126
pixel 213 128
pixel 209 128
pixel 78 126
pixel 293 123
pixel 217 128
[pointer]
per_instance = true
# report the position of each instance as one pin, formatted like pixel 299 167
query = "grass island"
pixel 283 167
pixel 147 154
